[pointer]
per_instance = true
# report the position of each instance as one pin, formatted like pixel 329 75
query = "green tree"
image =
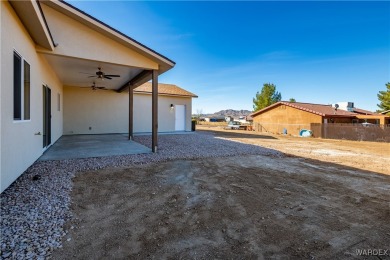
pixel 384 98
pixel 292 100
pixel 266 97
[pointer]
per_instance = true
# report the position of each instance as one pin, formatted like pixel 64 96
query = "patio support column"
pixel 131 112
pixel 154 110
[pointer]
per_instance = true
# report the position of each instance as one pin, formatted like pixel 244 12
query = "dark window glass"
pixel 26 93
pixel 17 87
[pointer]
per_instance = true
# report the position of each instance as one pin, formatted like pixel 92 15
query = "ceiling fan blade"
pixel 101 87
pixel 106 77
pixel 115 76
pixel 86 73
pixel 92 77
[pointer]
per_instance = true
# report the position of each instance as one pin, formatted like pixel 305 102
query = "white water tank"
pixel 347 106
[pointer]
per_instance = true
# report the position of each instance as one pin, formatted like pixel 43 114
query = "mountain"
pixel 232 112
pixel 227 112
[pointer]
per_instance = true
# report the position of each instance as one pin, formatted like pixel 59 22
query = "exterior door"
pixel 180 118
pixel 46 94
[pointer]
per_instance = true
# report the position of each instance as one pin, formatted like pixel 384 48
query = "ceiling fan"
pixel 94 87
pixel 101 75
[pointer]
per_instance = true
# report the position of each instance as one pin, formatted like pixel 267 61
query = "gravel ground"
pixel 35 207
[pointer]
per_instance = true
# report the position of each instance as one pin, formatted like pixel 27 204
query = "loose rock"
pixel 35 207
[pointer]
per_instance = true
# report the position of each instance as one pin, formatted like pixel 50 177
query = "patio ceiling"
pixel 75 72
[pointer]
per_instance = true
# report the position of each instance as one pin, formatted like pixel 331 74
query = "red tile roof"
pixel 164 89
pixel 318 109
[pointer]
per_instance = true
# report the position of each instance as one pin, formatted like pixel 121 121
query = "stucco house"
pixel 295 116
pixel 51 51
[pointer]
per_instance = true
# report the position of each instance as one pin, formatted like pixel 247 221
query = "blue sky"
pixel 315 52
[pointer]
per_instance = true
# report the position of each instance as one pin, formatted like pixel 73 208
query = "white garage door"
pixel 180 117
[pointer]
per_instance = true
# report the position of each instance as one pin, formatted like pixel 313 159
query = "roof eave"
pixel 31 15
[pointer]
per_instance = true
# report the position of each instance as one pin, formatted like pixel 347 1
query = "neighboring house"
pixel 88 111
pixel 294 116
pixel 49 49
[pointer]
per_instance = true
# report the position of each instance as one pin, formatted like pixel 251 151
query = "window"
pixel 21 93
pixel 58 102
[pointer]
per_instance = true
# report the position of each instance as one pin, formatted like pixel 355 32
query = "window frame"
pixel 24 102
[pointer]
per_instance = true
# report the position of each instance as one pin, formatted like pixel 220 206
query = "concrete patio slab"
pixel 87 146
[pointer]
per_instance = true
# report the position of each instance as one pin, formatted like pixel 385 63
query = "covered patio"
pixel 99 57
pixel 89 146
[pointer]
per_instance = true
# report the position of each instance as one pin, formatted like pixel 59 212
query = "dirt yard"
pixel 371 156
pixel 243 207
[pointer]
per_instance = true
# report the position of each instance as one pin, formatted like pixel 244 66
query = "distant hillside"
pixel 227 112
pixel 233 113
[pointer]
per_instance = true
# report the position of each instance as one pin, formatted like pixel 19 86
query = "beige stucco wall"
pixel 78 40
pixel 103 111
pixel 166 116
pixel 19 146
pixel 107 112
pixel 282 116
